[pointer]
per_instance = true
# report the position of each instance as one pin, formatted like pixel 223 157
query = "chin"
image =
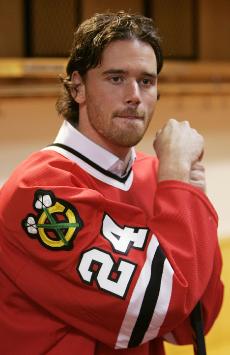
pixel 128 142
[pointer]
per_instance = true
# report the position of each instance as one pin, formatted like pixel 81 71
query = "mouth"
pixel 131 117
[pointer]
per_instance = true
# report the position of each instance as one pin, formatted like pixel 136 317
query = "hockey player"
pixel 103 250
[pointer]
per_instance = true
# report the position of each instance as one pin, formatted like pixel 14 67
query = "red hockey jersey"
pixel 96 264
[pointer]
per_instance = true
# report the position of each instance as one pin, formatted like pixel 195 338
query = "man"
pixel 105 251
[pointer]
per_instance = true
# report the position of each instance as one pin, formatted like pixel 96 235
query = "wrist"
pixel 174 170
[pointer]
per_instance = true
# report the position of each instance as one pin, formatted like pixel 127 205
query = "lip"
pixel 131 117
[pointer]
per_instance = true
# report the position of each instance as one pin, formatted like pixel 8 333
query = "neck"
pixel 122 153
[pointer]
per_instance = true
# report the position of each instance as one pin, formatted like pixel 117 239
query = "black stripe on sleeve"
pixel 149 301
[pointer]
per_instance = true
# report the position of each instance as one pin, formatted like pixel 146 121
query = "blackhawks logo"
pixel 56 224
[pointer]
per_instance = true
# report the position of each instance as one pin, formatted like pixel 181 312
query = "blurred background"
pixel 35 39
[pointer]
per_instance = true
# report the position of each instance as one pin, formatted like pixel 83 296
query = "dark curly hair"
pixel 91 38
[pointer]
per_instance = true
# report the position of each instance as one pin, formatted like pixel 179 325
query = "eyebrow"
pixel 121 71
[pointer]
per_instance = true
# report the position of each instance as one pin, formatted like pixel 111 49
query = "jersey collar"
pixel 96 160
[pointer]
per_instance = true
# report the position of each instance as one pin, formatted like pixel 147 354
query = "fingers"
pixel 181 138
pixel 197 176
pixel 178 147
pixel 197 166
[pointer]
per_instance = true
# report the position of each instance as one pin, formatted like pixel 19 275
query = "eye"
pixel 147 82
pixel 116 79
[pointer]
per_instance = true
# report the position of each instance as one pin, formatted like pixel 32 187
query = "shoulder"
pixel 41 168
pixel 42 173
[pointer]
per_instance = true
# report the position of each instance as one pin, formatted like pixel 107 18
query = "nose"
pixel 132 93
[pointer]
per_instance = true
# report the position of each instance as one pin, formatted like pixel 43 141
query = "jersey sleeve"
pixel 104 267
pixel 183 269
pixel 210 303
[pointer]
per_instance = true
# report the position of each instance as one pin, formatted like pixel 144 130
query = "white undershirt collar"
pixel 71 137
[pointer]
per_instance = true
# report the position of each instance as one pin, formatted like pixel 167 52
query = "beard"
pixel 124 128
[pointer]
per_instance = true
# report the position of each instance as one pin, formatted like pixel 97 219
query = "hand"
pixel 178 147
pixel 197 176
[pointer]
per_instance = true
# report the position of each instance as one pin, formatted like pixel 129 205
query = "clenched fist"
pixel 179 147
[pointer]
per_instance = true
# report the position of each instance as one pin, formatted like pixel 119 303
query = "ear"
pixel 78 87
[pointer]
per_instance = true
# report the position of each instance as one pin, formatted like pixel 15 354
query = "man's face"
pixel 120 94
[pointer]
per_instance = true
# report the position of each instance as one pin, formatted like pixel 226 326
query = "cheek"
pixel 150 102
pixel 105 100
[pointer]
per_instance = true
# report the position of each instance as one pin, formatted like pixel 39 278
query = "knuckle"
pixel 185 123
pixel 172 121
